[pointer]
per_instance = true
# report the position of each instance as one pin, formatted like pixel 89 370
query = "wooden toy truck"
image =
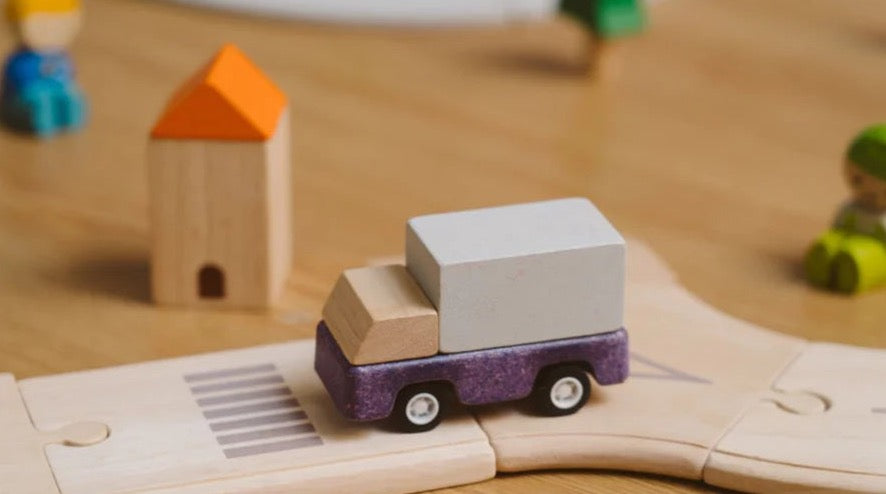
pixel 493 305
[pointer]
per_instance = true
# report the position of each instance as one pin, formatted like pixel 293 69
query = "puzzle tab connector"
pixel 23 464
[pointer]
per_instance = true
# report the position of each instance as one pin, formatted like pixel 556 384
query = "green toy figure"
pixel 851 256
pixel 608 22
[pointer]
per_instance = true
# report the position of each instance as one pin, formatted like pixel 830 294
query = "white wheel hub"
pixel 422 408
pixel 566 392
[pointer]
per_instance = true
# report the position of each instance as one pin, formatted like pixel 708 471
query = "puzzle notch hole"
pixel 800 402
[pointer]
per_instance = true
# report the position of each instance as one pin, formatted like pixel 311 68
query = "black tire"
pixel 404 419
pixel 564 375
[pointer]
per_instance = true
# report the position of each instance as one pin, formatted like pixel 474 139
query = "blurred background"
pixel 719 144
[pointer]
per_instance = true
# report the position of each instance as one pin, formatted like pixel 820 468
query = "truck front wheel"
pixel 561 390
pixel 420 407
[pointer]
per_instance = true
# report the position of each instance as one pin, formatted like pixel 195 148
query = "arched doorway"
pixel 211 282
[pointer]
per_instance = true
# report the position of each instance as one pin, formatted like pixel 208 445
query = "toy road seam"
pixel 806 346
pixel 598 434
pixel 740 416
pixel 797 465
pixel 37 431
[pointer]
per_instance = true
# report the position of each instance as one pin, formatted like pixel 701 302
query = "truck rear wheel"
pixel 561 390
pixel 420 407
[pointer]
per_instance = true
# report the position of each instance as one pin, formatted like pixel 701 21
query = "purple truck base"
pixel 371 392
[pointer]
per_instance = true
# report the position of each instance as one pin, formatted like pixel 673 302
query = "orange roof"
pixel 230 98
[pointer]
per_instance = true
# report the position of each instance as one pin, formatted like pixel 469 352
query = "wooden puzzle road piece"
pixel 704 394
pixel 23 465
pixel 690 381
pixel 843 448
pixel 252 420
pixel 710 397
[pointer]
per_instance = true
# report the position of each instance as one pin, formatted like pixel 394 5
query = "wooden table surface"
pixel 720 146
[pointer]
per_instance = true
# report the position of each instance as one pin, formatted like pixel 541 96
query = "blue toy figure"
pixel 39 93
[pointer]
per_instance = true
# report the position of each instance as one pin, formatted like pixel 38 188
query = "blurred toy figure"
pixel 38 92
pixel 608 22
pixel 851 256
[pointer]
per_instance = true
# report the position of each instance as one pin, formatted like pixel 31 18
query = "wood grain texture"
pixel 221 205
pixel 258 419
pixel 254 420
pixel 23 463
pixel 379 314
pixel 694 371
pixel 24 466
pixel 714 398
pixel 720 146
pixel 842 449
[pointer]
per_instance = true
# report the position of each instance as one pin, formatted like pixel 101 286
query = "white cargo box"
pixel 519 274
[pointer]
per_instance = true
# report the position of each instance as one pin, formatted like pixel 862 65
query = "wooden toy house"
pixel 220 191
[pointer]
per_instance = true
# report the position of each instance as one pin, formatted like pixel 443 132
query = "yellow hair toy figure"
pixel 38 92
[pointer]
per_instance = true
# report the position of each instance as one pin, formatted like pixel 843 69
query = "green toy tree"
pixel 608 22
